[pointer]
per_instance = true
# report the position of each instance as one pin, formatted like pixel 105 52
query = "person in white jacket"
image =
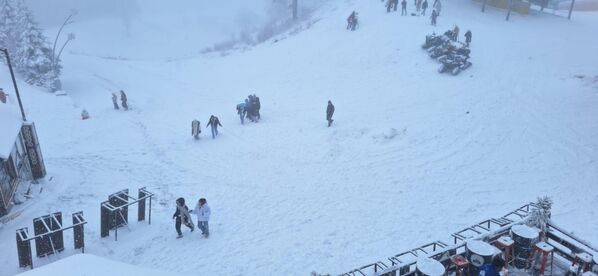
pixel 202 211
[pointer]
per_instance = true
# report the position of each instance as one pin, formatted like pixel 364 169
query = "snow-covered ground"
pixel 412 156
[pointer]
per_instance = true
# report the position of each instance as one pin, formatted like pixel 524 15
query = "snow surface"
pixel 411 157
pixel 525 231
pixel 91 265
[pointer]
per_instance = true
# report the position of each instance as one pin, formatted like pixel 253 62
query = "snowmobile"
pixel 453 63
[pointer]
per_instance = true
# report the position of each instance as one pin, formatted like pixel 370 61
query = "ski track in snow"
pixel 412 155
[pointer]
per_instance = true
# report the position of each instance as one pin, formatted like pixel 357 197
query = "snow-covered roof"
pixel 10 126
pixel 92 265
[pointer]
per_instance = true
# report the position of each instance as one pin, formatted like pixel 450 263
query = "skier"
pixel 433 17
pixel 195 128
pixel 467 37
pixel 84 115
pixel 182 216
pixel 437 6
pixel 202 211
pixel 123 99
pixel 424 7
pixel 494 268
pixel 115 101
pixel 214 123
pixel 2 96
pixel 455 33
pixel 329 113
pixel 404 7
pixel 241 111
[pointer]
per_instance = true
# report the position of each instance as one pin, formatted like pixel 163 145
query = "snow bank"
pixel 92 265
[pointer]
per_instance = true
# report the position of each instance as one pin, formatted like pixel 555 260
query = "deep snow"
pixel 412 155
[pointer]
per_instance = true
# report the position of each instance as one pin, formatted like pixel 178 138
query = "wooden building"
pixel 20 155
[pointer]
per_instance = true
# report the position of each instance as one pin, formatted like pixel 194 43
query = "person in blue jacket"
pixel 494 268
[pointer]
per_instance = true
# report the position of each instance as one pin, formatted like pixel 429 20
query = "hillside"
pixel 412 154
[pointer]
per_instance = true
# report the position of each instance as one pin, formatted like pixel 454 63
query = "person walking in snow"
pixel 203 212
pixel 195 128
pixel 433 17
pixel 242 111
pixel 115 101
pixel 181 215
pixel 404 7
pixel 329 113
pixel 395 4
pixel 123 100
pixel 214 123
pixel 494 268
pixel 455 33
pixel 437 6
pixel 352 21
pixel 424 7
pixel 2 96
pixel 389 5
pixel 418 7
pixel 467 37
pixel 257 105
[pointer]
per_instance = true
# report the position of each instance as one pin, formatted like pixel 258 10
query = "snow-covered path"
pixel 412 156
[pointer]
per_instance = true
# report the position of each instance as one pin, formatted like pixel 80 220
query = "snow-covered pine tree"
pixel 34 55
pixel 540 214
pixel 9 37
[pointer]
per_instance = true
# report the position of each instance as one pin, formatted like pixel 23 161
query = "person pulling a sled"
pixel 181 215
pixel 214 123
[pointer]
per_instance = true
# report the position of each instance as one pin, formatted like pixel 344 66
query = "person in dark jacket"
pixel 404 7
pixel 258 105
pixel 494 268
pixel 467 37
pixel 424 7
pixel 395 4
pixel 181 215
pixel 329 113
pixel 115 100
pixel 214 123
pixel 123 100
pixel 433 17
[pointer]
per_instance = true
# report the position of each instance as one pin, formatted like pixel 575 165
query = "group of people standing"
pixel 249 109
pixel 420 6
pixel 123 100
pixel 182 216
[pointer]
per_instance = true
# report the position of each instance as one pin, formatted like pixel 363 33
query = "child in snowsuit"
pixel 115 101
pixel 123 99
pixel 203 212
pixel 182 216
pixel 329 113
pixel 214 123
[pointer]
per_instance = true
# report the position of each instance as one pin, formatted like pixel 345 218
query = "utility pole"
pixel 14 82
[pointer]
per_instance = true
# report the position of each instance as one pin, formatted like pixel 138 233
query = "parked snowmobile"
pixel 453 63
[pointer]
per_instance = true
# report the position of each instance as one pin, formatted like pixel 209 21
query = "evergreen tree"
pixel 9 37
pixel 540 214
pixel 34 56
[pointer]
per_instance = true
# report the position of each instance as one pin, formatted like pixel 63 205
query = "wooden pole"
pixel 14 82
pixel 571 9
pixel 510 8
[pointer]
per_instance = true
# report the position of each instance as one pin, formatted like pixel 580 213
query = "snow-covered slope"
pixel 412 155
